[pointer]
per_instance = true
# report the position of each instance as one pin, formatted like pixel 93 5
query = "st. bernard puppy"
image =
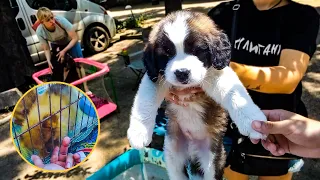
pixel 186 49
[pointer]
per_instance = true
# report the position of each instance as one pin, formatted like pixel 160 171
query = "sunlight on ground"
pixel 25 169
pixel 110 55
pixel 312 87
pixel 314 76
pixel 7 147
pixel 139 9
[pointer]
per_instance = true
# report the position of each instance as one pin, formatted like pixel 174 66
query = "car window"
pixel 63 5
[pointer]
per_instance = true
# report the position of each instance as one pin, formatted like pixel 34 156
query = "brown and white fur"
pixel 186 49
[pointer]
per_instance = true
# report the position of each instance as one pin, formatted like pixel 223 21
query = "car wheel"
pixel 96 39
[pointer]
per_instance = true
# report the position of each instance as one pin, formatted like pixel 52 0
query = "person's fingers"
pixel 254 141
pixel 277 150
pixel 281 151
pixel 282 141
pixel 50 66
pixel 69 161
pixel 59 57
pixel 268 127
pixel 271 147
pixel 62 59
pixel 271 138
pixel 274 149
pixel 186 91
pixel 61 163
pixel 37 161
pixel 272 115
pixel 175 99
pixel 197 90
pixel 55 155
pixel 193 97
pixel 77 158
pixel 64 149
pixel 268 145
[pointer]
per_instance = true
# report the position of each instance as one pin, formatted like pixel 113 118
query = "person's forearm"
pixel 47 53
pixel 307 152
pixel 71 44
pixel 277 79
pixel 313 132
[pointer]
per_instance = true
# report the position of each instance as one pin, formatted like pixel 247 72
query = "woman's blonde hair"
pixel 44 14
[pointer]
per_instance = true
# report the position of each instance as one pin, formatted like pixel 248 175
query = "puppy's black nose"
pixel 182 75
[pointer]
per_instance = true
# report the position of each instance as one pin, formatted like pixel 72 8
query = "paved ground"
pixel 112 140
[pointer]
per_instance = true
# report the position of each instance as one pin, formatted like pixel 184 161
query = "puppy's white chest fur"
pixel 190 120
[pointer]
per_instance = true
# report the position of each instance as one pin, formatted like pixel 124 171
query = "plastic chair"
pixel 135 64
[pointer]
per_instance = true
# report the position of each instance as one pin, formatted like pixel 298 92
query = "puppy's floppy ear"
pixel 150 62
pixel 220 48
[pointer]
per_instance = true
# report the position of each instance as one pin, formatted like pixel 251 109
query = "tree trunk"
pixel 15 62
pixel 172 5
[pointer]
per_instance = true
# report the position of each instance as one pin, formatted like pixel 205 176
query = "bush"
pixel 131 22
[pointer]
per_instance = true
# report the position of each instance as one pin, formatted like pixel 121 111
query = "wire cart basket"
pixel 50 113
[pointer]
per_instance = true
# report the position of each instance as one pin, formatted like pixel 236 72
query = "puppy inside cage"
pixel 47 114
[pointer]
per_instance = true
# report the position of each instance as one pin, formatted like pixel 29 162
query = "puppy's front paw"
pixel 138 137
pixel 245 124
pixel 256 135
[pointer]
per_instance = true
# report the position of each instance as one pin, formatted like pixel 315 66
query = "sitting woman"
pixel 63 39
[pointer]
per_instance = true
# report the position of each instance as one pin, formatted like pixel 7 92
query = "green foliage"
pixel 8 109
pixel 131 22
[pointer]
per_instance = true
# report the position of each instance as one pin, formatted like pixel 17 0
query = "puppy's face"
pixel 183 46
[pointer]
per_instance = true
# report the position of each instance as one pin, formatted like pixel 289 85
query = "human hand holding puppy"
pixel 193 92
pixel 289 133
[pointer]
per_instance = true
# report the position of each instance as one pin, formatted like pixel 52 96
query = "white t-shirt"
pixel 59 36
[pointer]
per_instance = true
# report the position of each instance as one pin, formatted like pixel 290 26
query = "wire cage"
pixel 49 113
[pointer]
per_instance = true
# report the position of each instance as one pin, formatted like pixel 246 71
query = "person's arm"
pixel 289 133
pixel 71 32
pixel 283 78
pixel 47 53
pixel 45 46
pixel 74 39
pixel 298 44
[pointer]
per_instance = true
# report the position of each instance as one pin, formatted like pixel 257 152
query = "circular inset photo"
pixel 55 126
